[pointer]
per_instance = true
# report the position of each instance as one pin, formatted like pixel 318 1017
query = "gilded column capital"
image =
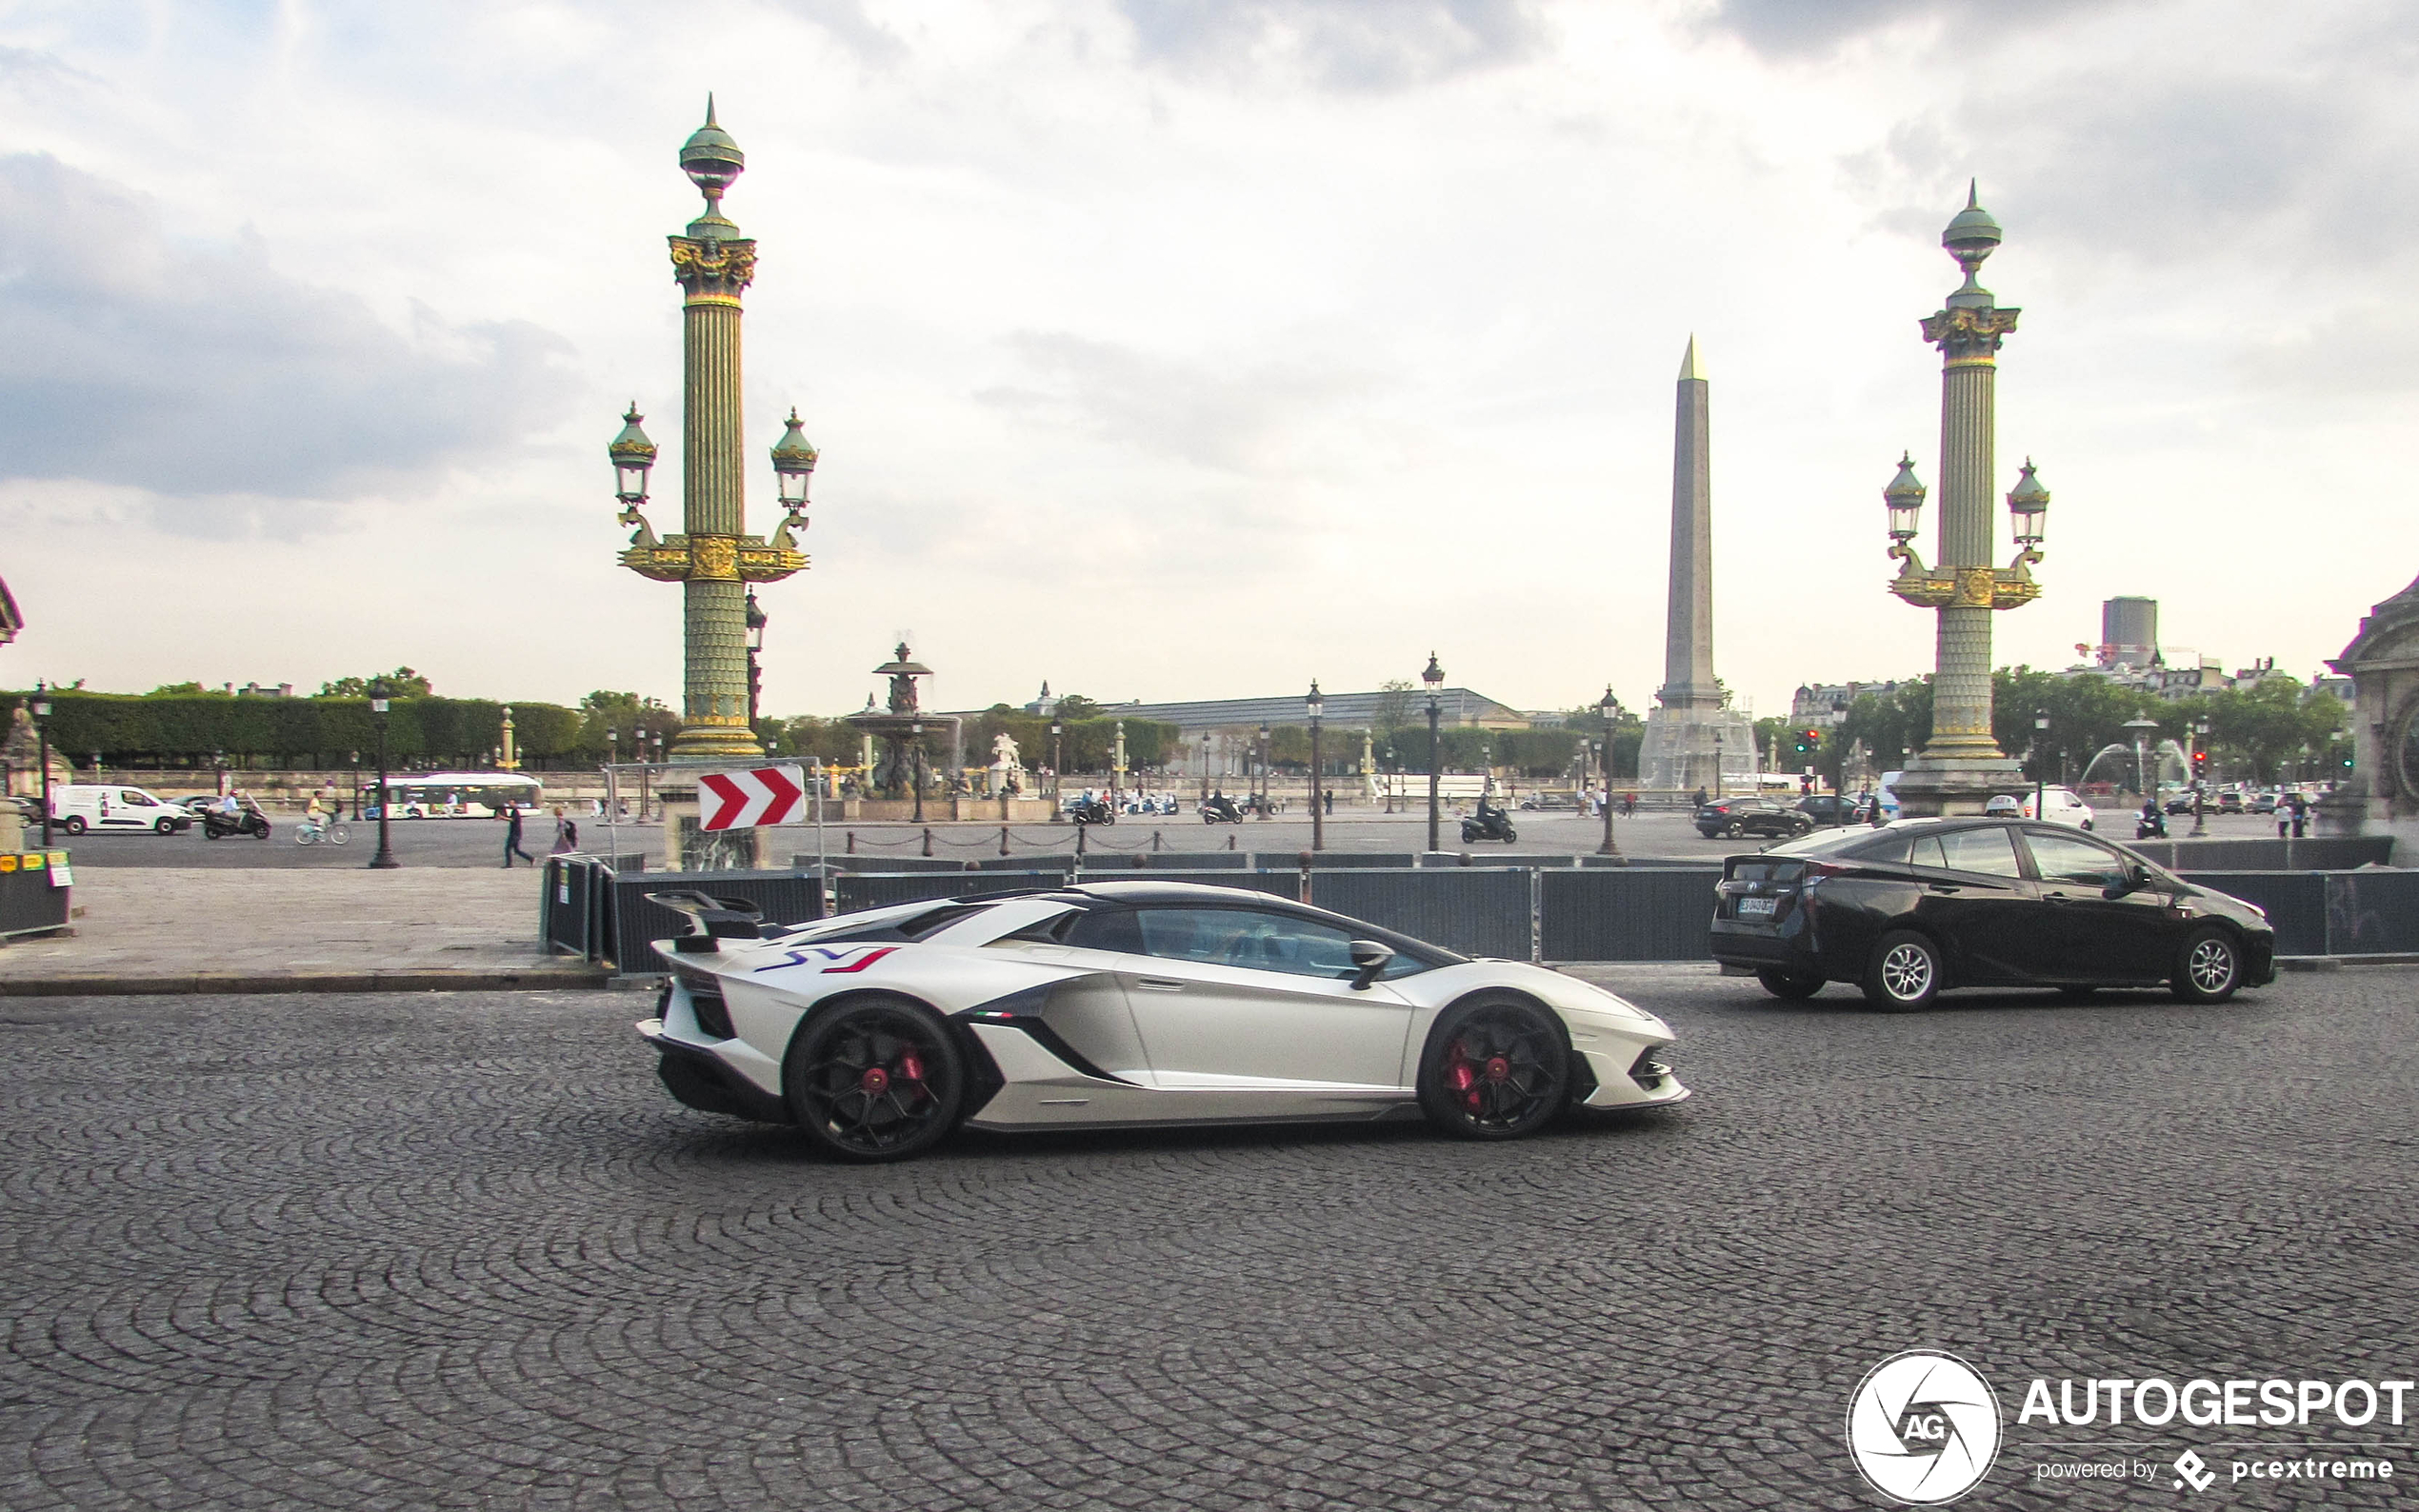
pixel 1964 332
pixel 709 266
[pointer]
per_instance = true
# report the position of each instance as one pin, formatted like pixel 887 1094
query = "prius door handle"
pixel 1159 984
pixel 1946 887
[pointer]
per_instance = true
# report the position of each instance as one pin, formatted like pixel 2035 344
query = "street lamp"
pixel 1205 766
pixel 356 787
pixel 755 622
pixel 1263 803
pixel 1434 678
pixel 2040 784
pixel 1393 769
pixel 917 759
pixel 42 747
pixel 1606 707
pixel 2200 806
pixel 1057 759
pixel 1717 765
pixel 1317 706
pixel 1961 764
pixel 385 858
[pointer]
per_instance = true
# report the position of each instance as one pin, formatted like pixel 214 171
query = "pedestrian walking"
pixel 2301 817
pixel 513 837
pixel 566 833
pixel 1699 800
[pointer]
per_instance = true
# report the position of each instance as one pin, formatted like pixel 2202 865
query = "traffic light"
pixel 1809 739
pixel 2200 764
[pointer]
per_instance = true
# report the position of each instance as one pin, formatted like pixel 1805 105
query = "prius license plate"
pixel 1752 907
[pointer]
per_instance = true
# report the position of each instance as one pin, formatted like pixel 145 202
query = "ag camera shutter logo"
pixel 1923 1427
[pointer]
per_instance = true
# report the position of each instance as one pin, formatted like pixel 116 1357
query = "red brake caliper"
pixel 911 1070
pixel 1464 1081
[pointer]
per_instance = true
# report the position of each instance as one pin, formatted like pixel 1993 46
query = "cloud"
pixel 1346 45
pixel 1226 419
pixel 1800 28
pixel 849 25
pixel 129 358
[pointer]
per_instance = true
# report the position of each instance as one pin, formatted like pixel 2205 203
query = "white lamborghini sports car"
pixel 1125 1004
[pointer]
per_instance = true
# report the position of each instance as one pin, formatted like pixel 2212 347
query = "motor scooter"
pixel 217 825
pixel 1488 822
pixel 1220 809
pixel 2150 824
pixel 1091 811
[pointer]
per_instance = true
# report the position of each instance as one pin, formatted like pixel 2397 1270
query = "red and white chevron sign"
pixel 763 795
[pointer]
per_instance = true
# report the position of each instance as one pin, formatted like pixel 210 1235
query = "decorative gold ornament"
pixel 711 266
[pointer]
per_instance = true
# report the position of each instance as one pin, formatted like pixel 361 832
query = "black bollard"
pixel 927 840
pixel 1003 840
pixel 1305 877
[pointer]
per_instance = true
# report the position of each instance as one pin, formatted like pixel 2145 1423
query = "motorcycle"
pixel 2150 825
pixel 1091 811
pixel 1488 822
pixel 1221 810
pixel 217 825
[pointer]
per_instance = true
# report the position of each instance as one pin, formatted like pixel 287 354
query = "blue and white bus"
pixel 454 795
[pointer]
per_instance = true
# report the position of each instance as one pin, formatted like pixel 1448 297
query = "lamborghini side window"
pixel 1247 937
pixel 1103 929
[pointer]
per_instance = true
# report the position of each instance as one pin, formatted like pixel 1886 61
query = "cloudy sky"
pixel 1187 348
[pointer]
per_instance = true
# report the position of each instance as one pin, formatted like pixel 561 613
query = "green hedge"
pixel 129 730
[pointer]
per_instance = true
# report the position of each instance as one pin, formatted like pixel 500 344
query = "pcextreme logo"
pixel 1923 1427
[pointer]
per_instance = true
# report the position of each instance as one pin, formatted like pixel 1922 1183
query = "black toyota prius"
pixel 1932 904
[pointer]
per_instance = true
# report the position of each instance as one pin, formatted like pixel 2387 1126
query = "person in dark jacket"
pixel 513 837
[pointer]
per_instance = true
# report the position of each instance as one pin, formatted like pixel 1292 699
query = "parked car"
pixel 877 1033
pixel 1830 809
pixel 2060 806
pixel 1932 903
pixel 1540 802
pixel 2229 802
pixel 2180 803
pixel 2263 802
pixel 1735 817
pixel 79 806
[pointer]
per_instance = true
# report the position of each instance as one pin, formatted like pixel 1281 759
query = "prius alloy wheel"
pixel 2209 968
pixel 1904 974
pixel 876 1079
pixel 1496 1068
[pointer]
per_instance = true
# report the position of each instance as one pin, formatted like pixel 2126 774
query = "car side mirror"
pixel 1370 956
pixel 2135 881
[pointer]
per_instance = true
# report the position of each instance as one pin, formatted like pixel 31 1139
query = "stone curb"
pixel 95 985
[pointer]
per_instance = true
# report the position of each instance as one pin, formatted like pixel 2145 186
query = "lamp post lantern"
pixel 1317 706
pixel 41 709
pixel 755 622
pixel 1607 707
pixel 1961 765
pixel 1057 758
pixel 385 858
pixel 712 557
pixel 1205 766
pixel 1434 678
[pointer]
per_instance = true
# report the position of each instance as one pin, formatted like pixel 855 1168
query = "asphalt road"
pixel 480 841
pixel 441 1252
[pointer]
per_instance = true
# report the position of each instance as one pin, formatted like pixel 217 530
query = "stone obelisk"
pixel 1691 739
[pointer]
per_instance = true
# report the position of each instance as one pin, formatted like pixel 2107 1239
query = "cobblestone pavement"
pixel 158 923
pixel 461 1252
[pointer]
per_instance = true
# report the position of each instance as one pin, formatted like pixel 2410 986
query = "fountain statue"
pixel 899 727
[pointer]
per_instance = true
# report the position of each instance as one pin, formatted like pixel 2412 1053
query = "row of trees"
pixel 2259 733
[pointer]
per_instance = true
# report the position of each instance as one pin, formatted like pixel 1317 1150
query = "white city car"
pixel 2060 806
pixel 1125 1004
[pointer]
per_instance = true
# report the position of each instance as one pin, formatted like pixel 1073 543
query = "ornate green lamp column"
pixel 714 559
pixel 1962 765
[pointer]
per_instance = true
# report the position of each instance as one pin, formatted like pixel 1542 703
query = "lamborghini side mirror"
pixel 1370 956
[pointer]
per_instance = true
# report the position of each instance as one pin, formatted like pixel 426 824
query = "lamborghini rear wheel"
pixel 878 1078
pixel 1496 1069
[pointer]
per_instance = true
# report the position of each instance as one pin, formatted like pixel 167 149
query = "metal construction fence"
pixel 31 900
pixel 1532 913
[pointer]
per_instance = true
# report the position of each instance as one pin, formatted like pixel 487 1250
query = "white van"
pixel 89 805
